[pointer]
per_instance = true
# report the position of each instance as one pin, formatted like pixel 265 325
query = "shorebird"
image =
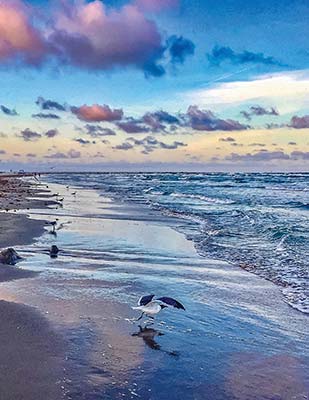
pixel 53 252
pixel 150 307
pixel 53 224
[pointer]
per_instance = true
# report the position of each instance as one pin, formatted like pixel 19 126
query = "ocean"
pixel 258 221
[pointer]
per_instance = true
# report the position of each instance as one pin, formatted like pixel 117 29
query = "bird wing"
pixel 144 300
pixel 171 302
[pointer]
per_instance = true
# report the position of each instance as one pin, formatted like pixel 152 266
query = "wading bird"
pixel 150 307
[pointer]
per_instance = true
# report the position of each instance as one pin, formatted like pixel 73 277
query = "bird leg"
pixel 149 321
pixel 139 317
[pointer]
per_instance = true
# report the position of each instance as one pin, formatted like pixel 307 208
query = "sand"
pixel 31 353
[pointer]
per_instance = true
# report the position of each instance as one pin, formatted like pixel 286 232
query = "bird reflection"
pixel 148 335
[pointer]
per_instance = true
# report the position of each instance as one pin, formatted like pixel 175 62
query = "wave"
pixel 203 198
pixel 299 204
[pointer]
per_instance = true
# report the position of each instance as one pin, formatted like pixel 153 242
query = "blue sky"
pixel 224 57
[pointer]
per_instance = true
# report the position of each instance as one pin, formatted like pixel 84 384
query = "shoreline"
pixel 31 352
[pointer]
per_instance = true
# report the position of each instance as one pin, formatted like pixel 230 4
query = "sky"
pixel 168 85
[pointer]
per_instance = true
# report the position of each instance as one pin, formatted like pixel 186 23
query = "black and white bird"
pixel 150 306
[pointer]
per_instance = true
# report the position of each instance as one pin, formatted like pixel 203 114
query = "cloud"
pixel 89 36
pixel 220 54
pixel 98 131
pixel 288 90
pixel 57 155
pixel 132 126
pixel 148 144
pixel 152 69
pixel 227 139
pixel 295 123
pixel 257 145
pixel 180 48
pixel 74 153
pixel 45 116
pixel 165 117
pixel 51 133
pixel 124 146
pixel 98 155
pixel 303 155
pixel 70 154
pixel 158 121
pixel 83 142
pixel 49 105
pixel 171 146
pixel 31 155
pixel 164 122
pixel 262 155
pixel 275 126
pixel 205 120
pixel 28 135
pixel 8 111
pixel 97 113
pixel 299 122
pixel 2 152
pixel 19 39
pixel 292 143
pixel 259 111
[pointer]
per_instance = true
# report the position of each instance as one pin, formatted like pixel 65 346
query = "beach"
pixel 30 351
pixel 68 325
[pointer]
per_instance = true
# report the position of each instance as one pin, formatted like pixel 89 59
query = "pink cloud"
pixel 97 113
pixel 18 37
pixel 300 122
pixel 83 34
pixel 90 36
pixel 156 5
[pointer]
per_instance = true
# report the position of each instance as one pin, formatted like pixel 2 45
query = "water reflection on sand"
pixel 278 377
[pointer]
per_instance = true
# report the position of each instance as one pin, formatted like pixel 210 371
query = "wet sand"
pixel 31 352
pixel 237 340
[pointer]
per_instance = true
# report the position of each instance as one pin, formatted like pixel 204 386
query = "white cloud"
pixel 289 91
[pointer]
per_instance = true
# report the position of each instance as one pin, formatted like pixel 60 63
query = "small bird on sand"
pixel 150 307
pixel 53 252
pixel 53 224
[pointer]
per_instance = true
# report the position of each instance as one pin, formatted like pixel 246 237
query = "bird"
pixel 53 224
pixel 53 252
pixel 151 307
